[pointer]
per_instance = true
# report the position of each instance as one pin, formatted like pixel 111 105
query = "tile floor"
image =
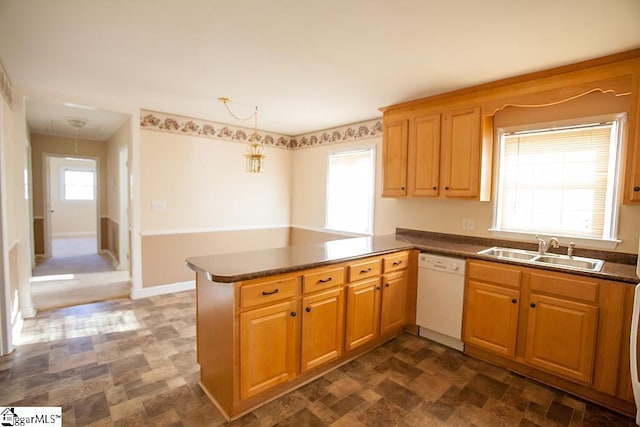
pixel 130 363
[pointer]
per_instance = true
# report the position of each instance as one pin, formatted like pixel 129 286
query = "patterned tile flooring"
pixel 130 363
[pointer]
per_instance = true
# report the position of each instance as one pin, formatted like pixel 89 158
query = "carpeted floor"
pixel 76 274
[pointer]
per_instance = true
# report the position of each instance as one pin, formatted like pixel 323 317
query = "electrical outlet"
pixel 468 224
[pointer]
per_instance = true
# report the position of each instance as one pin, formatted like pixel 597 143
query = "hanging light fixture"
pixel 77 124
pixel 255 153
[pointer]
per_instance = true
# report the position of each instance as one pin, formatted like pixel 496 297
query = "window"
pixel 560 180
pixel 350 191
pixel 79 184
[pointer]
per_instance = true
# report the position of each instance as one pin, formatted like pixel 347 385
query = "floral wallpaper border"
pixel 163 122
pixel 5 85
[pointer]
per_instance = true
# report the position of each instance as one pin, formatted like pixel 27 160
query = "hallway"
pixel 76 274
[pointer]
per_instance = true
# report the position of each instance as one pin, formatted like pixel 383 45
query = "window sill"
pixel 564 240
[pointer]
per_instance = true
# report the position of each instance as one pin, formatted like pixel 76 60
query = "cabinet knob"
pixel 308 309
pixel 513 301
pixel 402 188
pixel 378 288
pixel 435 188
pixel 636 188
pixel 446 188
pixel 386 285
pixel 294 314
pixel 532 305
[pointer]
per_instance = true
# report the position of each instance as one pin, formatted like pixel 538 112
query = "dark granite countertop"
pixel 234 267
pixel 617 267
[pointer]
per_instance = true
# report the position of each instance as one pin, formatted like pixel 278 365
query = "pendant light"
pixel 255 152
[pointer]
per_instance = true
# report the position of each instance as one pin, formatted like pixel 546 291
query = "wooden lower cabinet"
pixel 563 329
pixel 260 338
pixel 363 312
pixel 393 305
pixel 322 328
pixel 492 317
pixel 268 347
pixel 561 336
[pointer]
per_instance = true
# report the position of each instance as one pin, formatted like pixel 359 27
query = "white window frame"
pixel 328 227
pixel 612 216
pixel 63 187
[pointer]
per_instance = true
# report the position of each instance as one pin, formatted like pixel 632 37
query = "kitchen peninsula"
pixel 269 321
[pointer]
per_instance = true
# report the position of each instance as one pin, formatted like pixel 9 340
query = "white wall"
pixel 70 217
pixel 15 237
pixel 309 189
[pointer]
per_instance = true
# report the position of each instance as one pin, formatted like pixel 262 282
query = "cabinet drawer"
pixel 566 286
pixel 266 292
pixel 495 273
pixel 322 278
pixel 365 269
pixel 396 262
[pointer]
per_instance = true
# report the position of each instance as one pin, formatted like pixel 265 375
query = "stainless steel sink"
pixel 573 262
pixel 532 257
pixel 509 253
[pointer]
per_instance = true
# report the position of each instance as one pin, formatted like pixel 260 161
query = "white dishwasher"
pixel 440 299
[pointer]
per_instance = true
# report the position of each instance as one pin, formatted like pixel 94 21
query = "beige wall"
pixel 308 195
pixel 209 202
pixel 203 184
pixel 300 236
pixel 163 256
pixel 70 217
pixel 122 138
pixel 41 144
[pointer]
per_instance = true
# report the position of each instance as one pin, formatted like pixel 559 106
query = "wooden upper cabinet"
pixel 443 154
pixel 424 156
pixel 561 336
pixel 460 159
pixel 632 177
pixel 394 158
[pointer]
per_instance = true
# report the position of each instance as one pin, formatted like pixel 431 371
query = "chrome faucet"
pixel 543 246
pixel 570 249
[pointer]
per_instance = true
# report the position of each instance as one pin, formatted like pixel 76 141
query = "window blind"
pixel 557 181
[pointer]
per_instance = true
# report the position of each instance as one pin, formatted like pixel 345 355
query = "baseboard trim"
pixel 163 289
pixel 75 234
pixel 114 260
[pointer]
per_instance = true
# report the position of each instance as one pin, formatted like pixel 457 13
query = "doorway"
pixel 72 226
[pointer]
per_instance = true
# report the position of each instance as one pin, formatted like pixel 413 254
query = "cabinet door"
pixel 491 317
pixel 363 312
pixel 268 347
pixel 561 336
pixel 394 158
pixel 322 328
pixel 461 160
pixel 394 297
pixel 424 156
pixel 632 175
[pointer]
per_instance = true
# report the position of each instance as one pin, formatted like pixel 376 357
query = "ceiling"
pixel 308 65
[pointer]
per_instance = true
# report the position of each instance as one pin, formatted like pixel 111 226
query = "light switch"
pixel 158 205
